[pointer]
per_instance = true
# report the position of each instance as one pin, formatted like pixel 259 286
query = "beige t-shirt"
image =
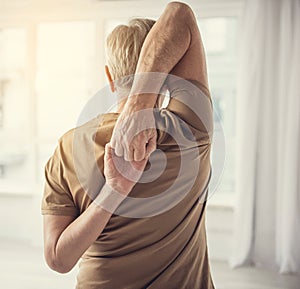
pixel 161 245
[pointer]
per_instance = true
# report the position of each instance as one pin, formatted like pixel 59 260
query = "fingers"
pixel 139 152
pixel 108 151
pixel 120 169
pixel 128 154
pixel 151 146
pixel 112 142
pixel 139 166
pixel 126 151
pixel 143 147
pixel 144 144
pixel 119 151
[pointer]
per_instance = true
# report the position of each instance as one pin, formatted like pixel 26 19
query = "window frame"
pixel 96 12
pixel 215 9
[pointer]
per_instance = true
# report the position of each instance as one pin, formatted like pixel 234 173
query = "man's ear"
pixel 110 80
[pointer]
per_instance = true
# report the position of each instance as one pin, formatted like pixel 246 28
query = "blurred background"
pixel 52 61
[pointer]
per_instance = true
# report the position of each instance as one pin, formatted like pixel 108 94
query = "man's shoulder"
pixel 86 132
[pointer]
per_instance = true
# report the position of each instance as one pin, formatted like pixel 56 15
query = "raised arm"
pixel 173 46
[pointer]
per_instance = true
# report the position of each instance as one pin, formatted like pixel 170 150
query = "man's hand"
pixel 134 135
pixel 121 175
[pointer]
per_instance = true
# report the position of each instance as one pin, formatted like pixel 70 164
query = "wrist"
pixel 122 189
pixel 110 198
pixel 141 101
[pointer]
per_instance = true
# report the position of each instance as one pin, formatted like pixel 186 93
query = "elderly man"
pixel 143 226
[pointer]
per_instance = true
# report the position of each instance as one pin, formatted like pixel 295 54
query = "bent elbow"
pixel 180 8
pixel 57 266
pixel 61 269
pixel 182 14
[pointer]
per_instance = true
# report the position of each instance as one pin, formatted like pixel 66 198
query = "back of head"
pixel 123 47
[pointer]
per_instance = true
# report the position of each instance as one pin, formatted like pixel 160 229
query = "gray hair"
pixel 123 47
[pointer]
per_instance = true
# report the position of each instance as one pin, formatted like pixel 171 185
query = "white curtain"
pixel 268 166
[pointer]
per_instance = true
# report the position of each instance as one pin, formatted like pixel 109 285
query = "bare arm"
pixel 173 46
pixel 66 238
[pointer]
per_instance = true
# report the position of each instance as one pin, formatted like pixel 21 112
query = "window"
pixel 65 63
pixel 220 41
pixel 32 120
pixel 65 53
pixel 15 159
pixel 48 71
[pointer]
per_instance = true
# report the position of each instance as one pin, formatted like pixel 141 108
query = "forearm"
pixel 164 46
pixel 81 233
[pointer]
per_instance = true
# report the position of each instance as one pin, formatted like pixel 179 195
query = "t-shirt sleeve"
pixel 190 103
pixel 57 198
